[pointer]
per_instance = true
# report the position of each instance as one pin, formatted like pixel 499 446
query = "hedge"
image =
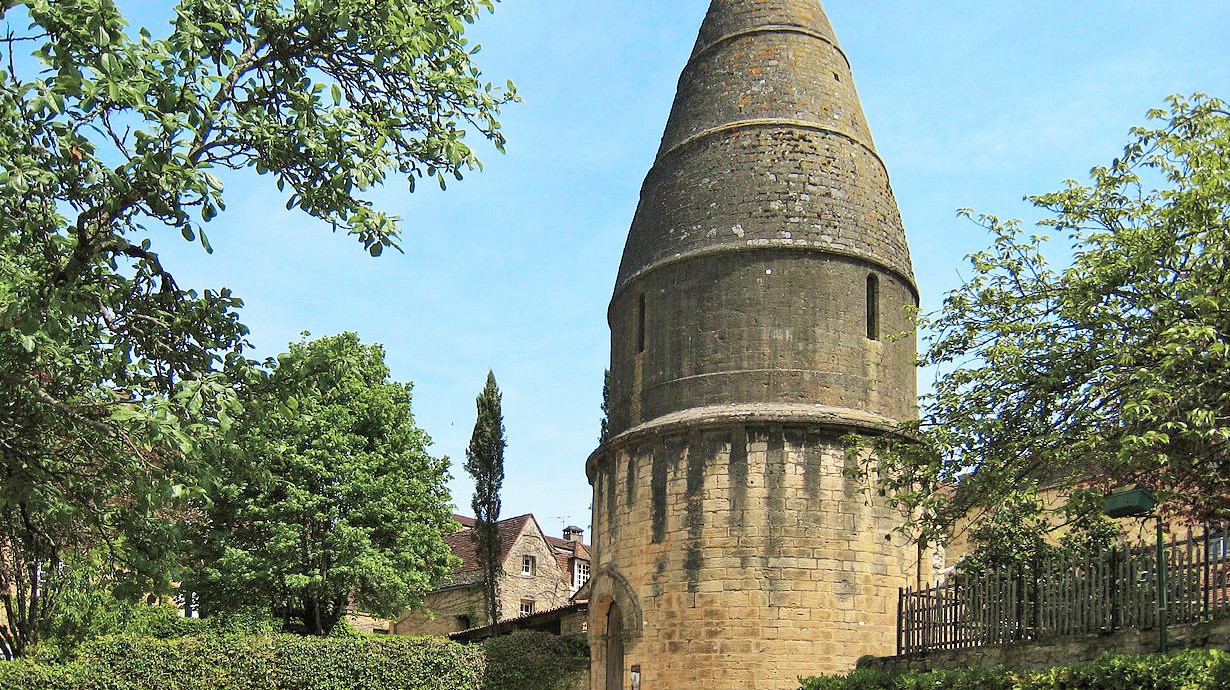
pixel 272 662
pixel 1194 670
pixel 529 660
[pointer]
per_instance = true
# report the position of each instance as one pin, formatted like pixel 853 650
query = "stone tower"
pixel 763 272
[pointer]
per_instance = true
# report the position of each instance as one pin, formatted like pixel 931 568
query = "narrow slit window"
pixel 873 307
pixel 640 324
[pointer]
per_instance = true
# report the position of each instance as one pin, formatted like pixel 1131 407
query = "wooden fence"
pixel 1059 596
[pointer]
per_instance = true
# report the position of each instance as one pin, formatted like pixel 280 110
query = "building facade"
pixel 765 271
pixel 540 573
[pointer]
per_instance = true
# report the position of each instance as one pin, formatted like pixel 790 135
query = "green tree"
pixel 110 391
pixel 334 500
pixel 485 463
pixel 1113 371
pixel 604 425
pixel 1021 531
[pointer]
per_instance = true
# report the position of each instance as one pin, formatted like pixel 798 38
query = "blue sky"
pixel 972 104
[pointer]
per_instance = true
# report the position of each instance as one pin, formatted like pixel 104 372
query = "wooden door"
pixel 614 649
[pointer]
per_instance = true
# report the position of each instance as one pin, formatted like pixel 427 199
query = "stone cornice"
pixel 769 29
pixel 718 416
pixel 800 246
pixel 771 122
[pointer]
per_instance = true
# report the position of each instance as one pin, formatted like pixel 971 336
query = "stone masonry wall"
pixel 1060 651
pixel 732 16
pixel 440 612
pixel 768 184
pixel 547 588
pixel 771 326
pixel 796 78
pixel 753 558
pixel 766 142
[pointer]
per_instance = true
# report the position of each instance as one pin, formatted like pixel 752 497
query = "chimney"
pixel 573 533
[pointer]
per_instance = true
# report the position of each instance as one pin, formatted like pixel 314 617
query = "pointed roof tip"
pixel 765 60
pixel 732 17
pixel 766 118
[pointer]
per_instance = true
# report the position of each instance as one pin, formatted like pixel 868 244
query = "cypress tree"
pixel 605 424
pixel 485 463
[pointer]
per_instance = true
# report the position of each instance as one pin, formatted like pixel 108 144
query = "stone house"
pixel 540 573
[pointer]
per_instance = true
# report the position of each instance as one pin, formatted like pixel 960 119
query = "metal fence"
pixel 1060 596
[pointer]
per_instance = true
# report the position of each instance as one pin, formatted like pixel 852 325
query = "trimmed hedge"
pixel 273 662
pixel 529 660
pixel 1194 670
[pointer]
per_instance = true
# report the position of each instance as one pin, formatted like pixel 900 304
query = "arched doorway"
pixel 614 648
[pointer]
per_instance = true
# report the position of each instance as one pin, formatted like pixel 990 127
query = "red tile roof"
pixel 565 551
pixel 463 545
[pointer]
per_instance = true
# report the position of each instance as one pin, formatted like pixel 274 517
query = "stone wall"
pixel 742 557
pixel 367 623
pixel 1059 651
pixel 575 622
pixel 776 326
pixel 441 612
pixel 547 587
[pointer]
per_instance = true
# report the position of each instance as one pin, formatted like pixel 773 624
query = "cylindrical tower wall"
pixel 748 553
pixel 765 277
pixel 777 325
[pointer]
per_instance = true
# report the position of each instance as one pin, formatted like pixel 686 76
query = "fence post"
pixel 1035 614
pixel 1018 591
pixel 900 620
pixel 1208 577
pixel 1162 604
pixel 1113 586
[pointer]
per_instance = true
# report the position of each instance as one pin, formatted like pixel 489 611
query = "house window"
pixel 527 565
pixel 464 623
pixel 873 307
pixel 1219 548
pixel 527 607
pixel 580 575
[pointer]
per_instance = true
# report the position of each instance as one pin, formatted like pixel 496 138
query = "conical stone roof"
pixel 766 146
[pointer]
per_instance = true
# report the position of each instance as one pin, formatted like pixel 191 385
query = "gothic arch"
pixel 609 586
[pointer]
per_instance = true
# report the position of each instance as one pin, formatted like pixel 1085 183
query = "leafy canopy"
pixel 333 499
pixel 111 391
pixel 1113 371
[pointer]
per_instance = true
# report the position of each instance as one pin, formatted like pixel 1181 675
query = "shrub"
pixel 113 617
pixel 1195 670
pixel 529 660
pixel 271 662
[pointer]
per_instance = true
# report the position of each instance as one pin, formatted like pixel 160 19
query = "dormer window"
pixel 580 574
pixel 528 563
